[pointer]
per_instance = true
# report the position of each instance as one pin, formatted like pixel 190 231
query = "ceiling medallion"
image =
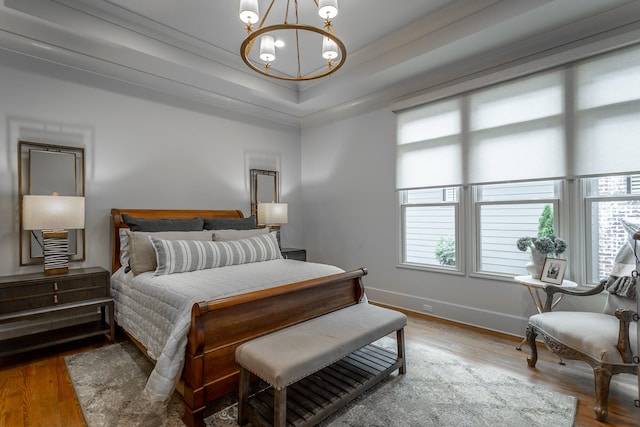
pixel 303 41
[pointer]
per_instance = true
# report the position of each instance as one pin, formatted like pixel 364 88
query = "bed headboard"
pixel 118 223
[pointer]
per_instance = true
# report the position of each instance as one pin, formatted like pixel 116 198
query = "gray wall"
pixel 139 154
pixel 351 220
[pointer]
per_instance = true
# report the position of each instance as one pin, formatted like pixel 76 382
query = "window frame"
pixel 457 205
pixel 476 244
pixel 588 202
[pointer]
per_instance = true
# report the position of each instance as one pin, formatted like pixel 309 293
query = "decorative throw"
pixel 624 286
pixel 620 282
pixel 179 256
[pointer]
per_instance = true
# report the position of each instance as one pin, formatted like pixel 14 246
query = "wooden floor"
pixel 35 389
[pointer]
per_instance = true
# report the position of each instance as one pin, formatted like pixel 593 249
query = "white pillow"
pixel 179 256
pixel 225 235
pixel 625 261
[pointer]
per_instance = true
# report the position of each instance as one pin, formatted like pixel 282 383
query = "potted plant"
pixel 541 248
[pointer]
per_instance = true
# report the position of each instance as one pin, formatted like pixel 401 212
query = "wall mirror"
pixel 264 188
pixel 43 169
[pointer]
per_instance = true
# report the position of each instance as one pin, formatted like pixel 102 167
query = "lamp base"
pixel 56 252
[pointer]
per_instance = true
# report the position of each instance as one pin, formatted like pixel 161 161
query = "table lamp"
pixel 53 215
pixel 271 215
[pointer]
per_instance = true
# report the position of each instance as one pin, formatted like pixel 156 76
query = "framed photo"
pixel 553 270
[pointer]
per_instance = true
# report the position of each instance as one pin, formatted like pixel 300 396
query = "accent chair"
pixel 608 340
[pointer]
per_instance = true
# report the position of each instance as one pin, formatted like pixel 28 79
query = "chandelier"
pixel 317 51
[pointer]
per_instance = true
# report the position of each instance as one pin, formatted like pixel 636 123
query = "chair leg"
pixel 531 340
pixel 602 378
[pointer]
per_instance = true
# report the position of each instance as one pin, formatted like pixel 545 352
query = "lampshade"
pixel 328 9
pixel 272 213
pixel 249 11
pixel 267 48
pixel 52 212
pixel 329 48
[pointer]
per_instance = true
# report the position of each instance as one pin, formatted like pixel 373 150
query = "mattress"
pixel 156 310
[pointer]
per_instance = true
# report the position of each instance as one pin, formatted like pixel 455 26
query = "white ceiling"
pixel 188 51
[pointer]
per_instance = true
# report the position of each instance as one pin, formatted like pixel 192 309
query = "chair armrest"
pixel 582 291
pixel 624 344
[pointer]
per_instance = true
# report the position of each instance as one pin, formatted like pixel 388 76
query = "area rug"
pixel 437 390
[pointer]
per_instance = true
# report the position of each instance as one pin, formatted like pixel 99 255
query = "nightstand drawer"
pixel 48 293
pixel 80 294
pixel 79 290
pixel 18 298
pixel 26 303
pixel 70 285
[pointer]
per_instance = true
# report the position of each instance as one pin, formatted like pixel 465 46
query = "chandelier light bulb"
pixel 328 9
pixel 267 48
pixel 249 11
pixel 329 49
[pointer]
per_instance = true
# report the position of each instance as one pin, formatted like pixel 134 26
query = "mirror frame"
pixel 27 239
pixel 255 190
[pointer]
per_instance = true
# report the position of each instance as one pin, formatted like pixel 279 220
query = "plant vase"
pixel 536 263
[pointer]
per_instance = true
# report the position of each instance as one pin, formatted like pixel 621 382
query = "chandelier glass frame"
pixel 262 30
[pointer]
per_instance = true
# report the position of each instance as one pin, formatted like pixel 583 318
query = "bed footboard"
pixel 219 326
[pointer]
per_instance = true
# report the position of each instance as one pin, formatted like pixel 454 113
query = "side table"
pixel 27 297
pixel 294 253
pixel 535 286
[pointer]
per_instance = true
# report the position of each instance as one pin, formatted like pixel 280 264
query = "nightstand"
pixel 26 297
pixel 293 253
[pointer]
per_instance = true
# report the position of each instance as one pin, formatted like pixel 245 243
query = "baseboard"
pixel 467 315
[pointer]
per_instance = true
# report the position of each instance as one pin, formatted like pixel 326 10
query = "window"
pixel 609 199
pixel 429 219
pixel 559 143
pixel 506 212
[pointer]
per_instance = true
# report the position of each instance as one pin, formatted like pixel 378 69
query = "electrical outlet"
pixel 427 308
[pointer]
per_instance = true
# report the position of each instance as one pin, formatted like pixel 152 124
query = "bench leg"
pixel 243 396
pixel 280 407
pixel 400 341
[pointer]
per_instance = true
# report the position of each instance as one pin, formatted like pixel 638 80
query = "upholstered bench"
pixel 316 367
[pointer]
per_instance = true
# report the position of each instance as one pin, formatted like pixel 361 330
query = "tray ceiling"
pixel 187 52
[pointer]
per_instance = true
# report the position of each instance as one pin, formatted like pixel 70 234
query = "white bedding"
pixel 156 310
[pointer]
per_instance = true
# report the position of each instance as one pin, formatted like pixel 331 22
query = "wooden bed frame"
pixel 219 326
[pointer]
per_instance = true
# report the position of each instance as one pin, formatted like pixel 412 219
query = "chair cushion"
pixel 593 334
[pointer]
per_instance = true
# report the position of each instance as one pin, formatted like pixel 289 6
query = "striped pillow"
pixel 179 256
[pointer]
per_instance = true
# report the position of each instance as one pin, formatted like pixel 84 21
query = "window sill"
pixel 431 269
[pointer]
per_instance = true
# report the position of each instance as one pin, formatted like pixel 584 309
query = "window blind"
pixel 516 130
pixel 581 120
pixel 430 146
pixel 608 115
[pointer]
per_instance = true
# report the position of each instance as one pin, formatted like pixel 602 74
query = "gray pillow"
pixel 226 235
pixel 142 224
pixel 230 223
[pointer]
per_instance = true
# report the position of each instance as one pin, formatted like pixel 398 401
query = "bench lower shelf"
pixel 324 392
